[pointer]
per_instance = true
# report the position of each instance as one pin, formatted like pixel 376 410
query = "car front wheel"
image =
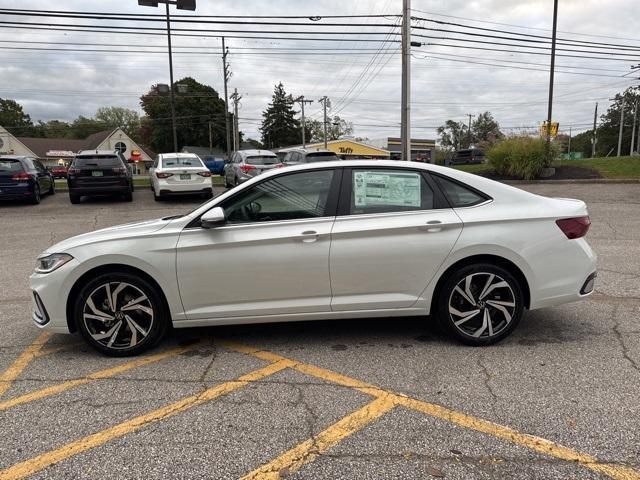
pixel 480 304
pixel 120 314
pixel 35 198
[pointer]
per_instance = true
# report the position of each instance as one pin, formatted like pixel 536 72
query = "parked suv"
pixel 24 178
pixel 246 164
pixel 179 173
pixel 99 172
pixel 469 155
pixel 308 155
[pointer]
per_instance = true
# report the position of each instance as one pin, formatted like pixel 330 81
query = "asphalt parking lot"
pixel 367 399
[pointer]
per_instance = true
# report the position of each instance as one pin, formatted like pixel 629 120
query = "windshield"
pixel 321 157
pixel 7 165
pixel 97 161
pixel 169 162
pixel 262 160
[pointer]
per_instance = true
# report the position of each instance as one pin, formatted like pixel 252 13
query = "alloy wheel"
pixel 482 305
pixel 118 315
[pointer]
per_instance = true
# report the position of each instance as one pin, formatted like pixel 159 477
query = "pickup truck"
pixel 214 164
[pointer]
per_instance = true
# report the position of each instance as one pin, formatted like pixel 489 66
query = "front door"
pixel 271 257
pixel 389 239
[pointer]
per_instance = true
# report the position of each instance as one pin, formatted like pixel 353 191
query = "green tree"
pixel 13 118
pixel 336 127
pixel 53 129
pixel 279 127
pixel 485 130
pixel 453 134
pixel 610 123
pixel 125 118
pixel 196 108
pixel 82 127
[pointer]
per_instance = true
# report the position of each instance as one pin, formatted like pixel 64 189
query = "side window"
pixel 39 166
pixel 155 162
pixel 458 194
pixel 382 191
pixel 237 158
pixel 30 164
pixel 286 197
pixel 287 157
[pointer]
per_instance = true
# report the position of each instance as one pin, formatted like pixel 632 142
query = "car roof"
pixel 14 157
pixel 256 153
pixel 86 153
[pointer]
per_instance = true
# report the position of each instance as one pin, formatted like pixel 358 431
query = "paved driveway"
pixel 367 399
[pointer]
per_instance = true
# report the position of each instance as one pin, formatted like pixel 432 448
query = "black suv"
pixel 24 178
pixel 99 172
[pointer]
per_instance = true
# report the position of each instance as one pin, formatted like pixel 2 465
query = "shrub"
pixel 522 157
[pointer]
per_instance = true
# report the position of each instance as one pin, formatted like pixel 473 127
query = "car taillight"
pixel 19 177
pixel 73 171
pixel 278 165
pixel 204 174
pixel 574 227
pixel 163 175
pixel 119 169
pixel 247 168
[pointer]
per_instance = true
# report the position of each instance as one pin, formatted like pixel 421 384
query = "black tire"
pixel 35 198
pixel 74 198
pixel 132 186
pixel 208 194
pixel 502 317
pixel 157 197
pixel 52 189
pixel 226 183
pixel 154 329
pixel 128 197
pixel 236 182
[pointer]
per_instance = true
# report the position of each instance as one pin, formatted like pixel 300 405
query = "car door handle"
pixel 309 236
pixel 434 226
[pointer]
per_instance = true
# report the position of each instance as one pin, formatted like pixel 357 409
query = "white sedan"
pixel 179 173
pixel 328 240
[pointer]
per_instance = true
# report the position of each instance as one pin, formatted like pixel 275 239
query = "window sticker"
pixel 386 188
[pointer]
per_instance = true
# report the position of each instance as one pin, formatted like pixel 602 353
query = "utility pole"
pixel 594 140
pixel 324 100
pixel 171 98
pixel 405 120
pixel 469 130
pixel 302 101
pixel 621 126
pixel 569 147
pixel 210 140
pixel 551 74
pixel 226 74
pixel 633 129
pixel 236 133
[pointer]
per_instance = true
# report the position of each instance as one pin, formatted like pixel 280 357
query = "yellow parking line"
pixel 307 451
pixel 49 349
pixel 99 375
pixel 35 464
pixel 538 444
pixel 20 363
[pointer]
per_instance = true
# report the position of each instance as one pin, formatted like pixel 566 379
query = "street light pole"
pixel 621 126
pixel 633 130
pixel 226 75
pixel 405 112
pixel 594 140
pixel 469 130
pixel 171 98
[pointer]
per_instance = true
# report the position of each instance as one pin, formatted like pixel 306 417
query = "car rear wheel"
pixel 52 188
pixel 226 183
pixel 156 196
pixel 74 198
pixel 120 314
pixel 128 197
pixel 480 304
pixel 208 194
pixel 35 198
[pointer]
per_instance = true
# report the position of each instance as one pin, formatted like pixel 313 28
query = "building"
pixel 422 150
pixel 345 148
pixel 61 151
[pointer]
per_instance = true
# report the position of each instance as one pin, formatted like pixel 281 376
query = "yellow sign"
pixel 544 128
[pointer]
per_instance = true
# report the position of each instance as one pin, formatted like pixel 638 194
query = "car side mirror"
pixel 212 218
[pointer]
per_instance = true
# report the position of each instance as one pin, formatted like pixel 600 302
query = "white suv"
pixel 179 173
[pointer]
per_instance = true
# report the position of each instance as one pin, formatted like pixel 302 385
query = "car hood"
pixel 126 230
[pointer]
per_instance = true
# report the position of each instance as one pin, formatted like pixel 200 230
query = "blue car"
pixel 214 164
pixel 24 178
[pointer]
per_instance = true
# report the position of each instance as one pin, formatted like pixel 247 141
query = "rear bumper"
pixel 190 191
pixel 16 192
pixel 99 190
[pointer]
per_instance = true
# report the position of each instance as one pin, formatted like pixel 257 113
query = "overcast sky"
pixel 364 88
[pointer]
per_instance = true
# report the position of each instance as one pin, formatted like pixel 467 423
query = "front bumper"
pixel 49 293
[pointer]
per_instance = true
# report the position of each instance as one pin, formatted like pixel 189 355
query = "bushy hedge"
pixel 522 157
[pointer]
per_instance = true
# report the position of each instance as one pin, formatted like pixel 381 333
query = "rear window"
pixel 262 160
pixel 97 161
pixel 169 162
pixel 321 157
pixel 10 166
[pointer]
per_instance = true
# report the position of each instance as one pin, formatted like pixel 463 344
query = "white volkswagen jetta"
pixel 324 241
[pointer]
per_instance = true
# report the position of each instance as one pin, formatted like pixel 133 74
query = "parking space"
pixel 367 398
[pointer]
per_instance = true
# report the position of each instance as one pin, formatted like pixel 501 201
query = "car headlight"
pixel 49 263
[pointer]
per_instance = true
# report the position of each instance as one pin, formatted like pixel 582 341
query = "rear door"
pixel 392 233
pixel 44 176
